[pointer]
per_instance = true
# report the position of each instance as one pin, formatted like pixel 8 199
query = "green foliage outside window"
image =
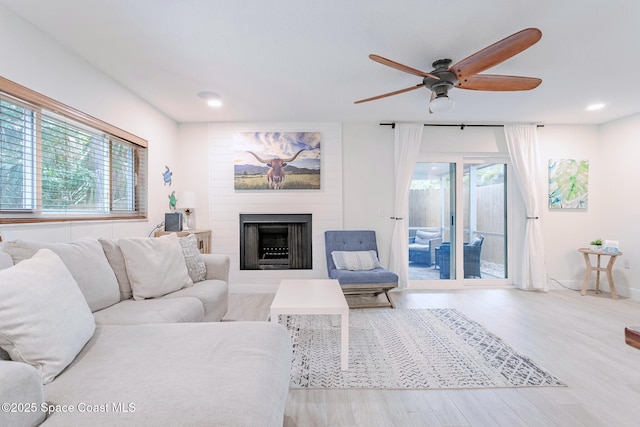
pixel 70 169
pixel 73 167
pixel 14 125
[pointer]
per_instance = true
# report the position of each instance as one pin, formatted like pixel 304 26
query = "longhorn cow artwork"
pixel 275 175
pixel 277 160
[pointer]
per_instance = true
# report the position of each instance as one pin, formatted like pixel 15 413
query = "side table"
pixel 587 277
pixel 203 236
pixel 632 336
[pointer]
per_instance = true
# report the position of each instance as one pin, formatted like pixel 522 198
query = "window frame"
pixel 30 99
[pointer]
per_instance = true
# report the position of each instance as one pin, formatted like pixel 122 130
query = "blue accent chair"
pixel 471 258
pixel 369 283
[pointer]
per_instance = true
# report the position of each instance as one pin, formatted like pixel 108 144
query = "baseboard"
pixel 634 293
pixel 556 285
pixel 576 285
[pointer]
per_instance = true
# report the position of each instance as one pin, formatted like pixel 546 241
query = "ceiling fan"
pixel 465 74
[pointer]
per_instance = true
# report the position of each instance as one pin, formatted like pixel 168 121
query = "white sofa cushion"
pixel 20 385
pixel 86 262
pixel 212 294
pixel 44 318
pixel 5 260
pixel 355 260
pixel 155 266
pixel 189 374
pixel 152 310
pixel 193 258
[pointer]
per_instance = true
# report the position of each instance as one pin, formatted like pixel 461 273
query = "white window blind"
pixel 54 167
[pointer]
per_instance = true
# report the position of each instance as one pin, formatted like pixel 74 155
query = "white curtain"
pixel 522 142
pixel 408 137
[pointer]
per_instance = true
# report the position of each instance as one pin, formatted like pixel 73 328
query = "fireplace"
pixel 275 242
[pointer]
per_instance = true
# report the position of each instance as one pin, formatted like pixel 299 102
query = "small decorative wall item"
pixel 568 184
pixel 172 201
pixel 277 160
pixel 166 176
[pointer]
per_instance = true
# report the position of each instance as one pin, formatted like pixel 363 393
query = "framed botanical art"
pixel 568 184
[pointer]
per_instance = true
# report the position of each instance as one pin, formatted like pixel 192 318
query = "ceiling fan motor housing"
pixel 446 79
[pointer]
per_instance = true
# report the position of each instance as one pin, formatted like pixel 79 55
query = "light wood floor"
pixel 579 339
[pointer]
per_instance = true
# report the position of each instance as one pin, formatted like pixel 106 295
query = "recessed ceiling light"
pixel 212 98
pixel 594 107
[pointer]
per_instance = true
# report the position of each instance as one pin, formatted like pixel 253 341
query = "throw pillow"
pixel 86 262
pixel 355 260
pixel 477 241
pixel 193 258
pixel 423 237
pixel 155 266
pixel 44 318
pixel 118 265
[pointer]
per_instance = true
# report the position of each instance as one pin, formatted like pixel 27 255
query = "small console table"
pixel 587 277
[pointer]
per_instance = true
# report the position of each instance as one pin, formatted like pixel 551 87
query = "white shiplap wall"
pixel 226 204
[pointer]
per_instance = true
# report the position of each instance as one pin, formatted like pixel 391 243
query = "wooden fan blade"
pixel 398 66
pixel 390 94
pixel 496 53
pixel 498 83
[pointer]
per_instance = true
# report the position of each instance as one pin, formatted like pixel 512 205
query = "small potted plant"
pixel 596 245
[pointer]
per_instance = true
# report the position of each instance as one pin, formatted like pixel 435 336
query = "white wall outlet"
pixel 627 263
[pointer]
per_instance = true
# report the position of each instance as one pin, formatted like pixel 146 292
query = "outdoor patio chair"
pixel 471 258
pixel 371 280
pixel 422 247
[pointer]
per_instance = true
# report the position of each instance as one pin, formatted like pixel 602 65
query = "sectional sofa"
pixel 127 332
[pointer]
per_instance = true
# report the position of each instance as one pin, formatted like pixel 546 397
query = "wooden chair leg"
pixel 365 300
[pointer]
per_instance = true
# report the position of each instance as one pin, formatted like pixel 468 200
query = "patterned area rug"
pixel 407 349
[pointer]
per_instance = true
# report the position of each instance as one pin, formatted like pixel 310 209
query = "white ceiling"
pixel 307 60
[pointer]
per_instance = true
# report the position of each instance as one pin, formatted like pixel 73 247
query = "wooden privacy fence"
pixel 425 211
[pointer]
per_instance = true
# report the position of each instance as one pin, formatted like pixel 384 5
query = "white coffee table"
pixel 314 296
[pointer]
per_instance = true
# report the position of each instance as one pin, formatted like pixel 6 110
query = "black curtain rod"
pixel 461 125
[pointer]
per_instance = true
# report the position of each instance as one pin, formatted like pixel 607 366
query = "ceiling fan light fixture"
pixel 441 104
pixel 213 99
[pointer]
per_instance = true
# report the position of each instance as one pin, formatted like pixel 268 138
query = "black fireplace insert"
pixel 275 242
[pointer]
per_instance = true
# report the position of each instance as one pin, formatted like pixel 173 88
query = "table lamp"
pixel 186 202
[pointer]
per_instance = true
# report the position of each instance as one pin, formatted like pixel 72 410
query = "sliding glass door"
pixel 432 206
pixel 485 221
pixel 458 223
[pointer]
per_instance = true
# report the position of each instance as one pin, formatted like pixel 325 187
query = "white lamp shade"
pixel 186 200
pixel 441 104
